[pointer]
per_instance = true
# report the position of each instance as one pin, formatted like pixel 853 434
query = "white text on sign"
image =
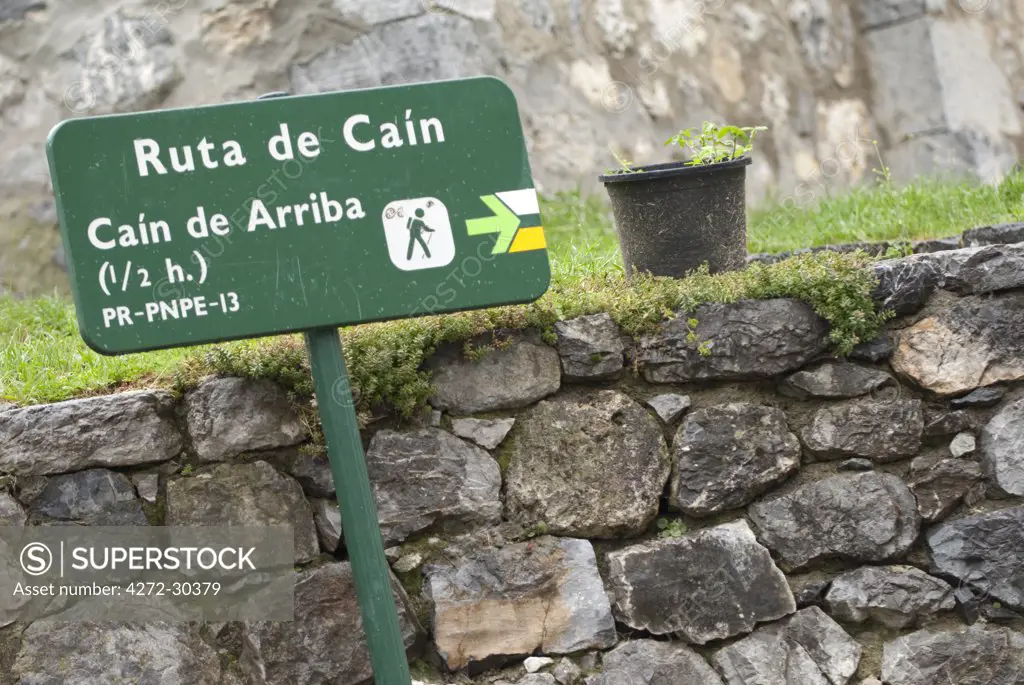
pixel 171 310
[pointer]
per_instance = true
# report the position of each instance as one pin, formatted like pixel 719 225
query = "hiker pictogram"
pixel 418 233
pixel 416 226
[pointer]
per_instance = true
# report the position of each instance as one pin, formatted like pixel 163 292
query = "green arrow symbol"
pixel 505 222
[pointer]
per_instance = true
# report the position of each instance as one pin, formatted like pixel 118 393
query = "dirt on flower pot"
pixel 673 217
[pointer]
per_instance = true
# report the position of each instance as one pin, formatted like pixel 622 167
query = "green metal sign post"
pixel 358 510
pixel 302 214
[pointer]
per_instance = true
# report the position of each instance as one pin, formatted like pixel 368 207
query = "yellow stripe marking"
pixel 531 238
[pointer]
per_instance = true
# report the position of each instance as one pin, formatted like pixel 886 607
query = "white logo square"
pixel 419 234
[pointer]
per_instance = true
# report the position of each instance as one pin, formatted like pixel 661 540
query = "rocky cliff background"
pixel 936 83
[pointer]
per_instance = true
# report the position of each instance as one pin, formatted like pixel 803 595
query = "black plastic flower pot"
pixel 671 218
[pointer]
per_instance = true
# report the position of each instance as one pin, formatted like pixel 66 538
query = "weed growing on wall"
pixel 385 360
pixel 671 528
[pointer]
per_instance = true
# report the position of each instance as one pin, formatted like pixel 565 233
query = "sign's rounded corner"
pixel 492 77
pixel 93 344
pixel 545 284
pixel 51 137
pixel 502 84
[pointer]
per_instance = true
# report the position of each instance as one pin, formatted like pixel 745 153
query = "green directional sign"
pixel 302 213
pixel 255 218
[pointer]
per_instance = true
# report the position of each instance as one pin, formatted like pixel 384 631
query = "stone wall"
pixel 936 82
pixel 724 503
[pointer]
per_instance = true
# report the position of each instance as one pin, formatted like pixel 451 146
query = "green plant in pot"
pixel 673 217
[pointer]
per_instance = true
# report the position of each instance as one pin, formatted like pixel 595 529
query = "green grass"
pixel 930 208
pixel 579 228
pixel 926 209
pixel 42 359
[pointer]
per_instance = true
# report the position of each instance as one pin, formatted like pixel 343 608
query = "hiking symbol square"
pixel 419 234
